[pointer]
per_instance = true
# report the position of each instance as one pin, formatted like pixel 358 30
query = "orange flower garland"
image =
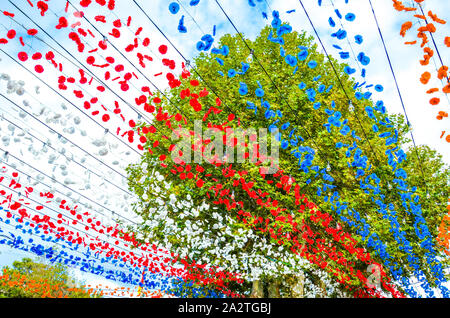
pixel 430 27
pixel 444 232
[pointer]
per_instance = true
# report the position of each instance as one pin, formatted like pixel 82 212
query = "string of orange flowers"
pixel 444 232
pixel 422 37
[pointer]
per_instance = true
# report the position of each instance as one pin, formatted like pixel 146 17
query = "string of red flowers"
pixel 90 60
pixel 151 261
pixel 188 172
pixel 114 71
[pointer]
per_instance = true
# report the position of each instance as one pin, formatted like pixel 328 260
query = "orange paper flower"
pixel 435 18
pixel 446 88
pixel 435 101
pixel 425 78
pixel 443 72
pixel 432 90
pixel 405 27
pixel 441 115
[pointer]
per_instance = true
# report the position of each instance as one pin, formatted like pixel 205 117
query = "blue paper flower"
pixel 291 60
pixel 311 93
pixel 379 88
pixel 363 59
pixel 350 17
pixel 219 60
pixel 174 8
pixel 181 27
pixel 245 67
pixel 200 46
pixel 303 55
pixel 367 95
pixel 331 22
pixel 284 29
pixel 232 73
pixel 243 89
pixel 312 64
pixel 341 34
pixel 276 23
pixel 269 114
pixel 344 55
pixel 358 39
pixel 259 92
pixel 349 70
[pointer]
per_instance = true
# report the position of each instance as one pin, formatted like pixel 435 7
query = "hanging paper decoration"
pixel 425 38
pixel 95 83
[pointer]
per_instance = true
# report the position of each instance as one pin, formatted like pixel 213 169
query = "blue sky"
pixel 249 21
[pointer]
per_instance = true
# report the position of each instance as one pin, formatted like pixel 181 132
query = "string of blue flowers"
pixel 420 224
pixel 311 95
pixel 358 160
pixel 89 262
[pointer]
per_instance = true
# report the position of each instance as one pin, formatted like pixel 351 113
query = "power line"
pixel 348 41
pixel 47 126
pixel 181 54
pixel 70 102
pixel 59 256
pixel 67 187
pixel 77 221
pixel 337 76
pixel 432 38
pixel 46 144
pixel 71 55
pixel 140 72
pixel 419 21
pixel 399 94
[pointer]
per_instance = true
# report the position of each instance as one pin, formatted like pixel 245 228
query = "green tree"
pixel 33 279
pixel 179 216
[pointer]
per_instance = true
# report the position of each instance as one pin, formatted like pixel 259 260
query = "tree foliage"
pixel 30 279
pixel 180 216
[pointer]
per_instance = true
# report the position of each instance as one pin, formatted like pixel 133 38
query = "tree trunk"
pixel 298 287
pixel 274 289
pixel 324 289
pixel 257 289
